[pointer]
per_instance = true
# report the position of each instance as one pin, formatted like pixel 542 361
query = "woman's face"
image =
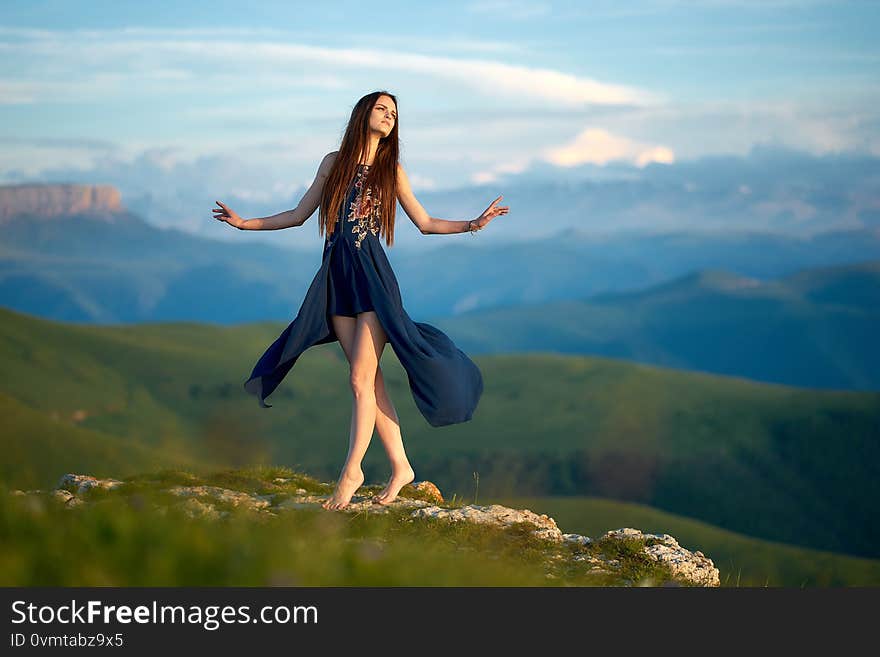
pixel 383 116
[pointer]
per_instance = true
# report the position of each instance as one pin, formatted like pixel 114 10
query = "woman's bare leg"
pixel 367 345
pixel 388 425
pixel 387 422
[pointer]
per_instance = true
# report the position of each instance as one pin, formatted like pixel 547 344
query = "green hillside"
pixel 36 445
pixel 786 464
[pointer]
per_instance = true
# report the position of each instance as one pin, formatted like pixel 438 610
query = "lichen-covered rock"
pixel 596 564
pixel 234 498
pixel 495 514
pixel 66 497
pixel 195 508
pixel 577 538
pixel 429 489
pixel 693 567
pixel 79 484
pixel 358 503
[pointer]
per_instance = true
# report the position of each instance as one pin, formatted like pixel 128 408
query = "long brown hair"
pixel 382 176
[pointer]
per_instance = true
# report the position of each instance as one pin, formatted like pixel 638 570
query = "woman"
pixel 354 298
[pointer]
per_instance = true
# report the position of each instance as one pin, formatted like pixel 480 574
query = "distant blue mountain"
pixel 817 328
pixel 83 268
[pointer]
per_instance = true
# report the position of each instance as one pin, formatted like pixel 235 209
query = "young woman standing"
pixel 354 297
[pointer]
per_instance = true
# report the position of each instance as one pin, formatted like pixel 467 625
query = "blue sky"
pixel 249 97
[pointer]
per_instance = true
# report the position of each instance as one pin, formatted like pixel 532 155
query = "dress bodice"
pixel 359 215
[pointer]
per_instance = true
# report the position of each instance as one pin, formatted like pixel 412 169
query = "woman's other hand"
pixel 489 214
pixel 223 213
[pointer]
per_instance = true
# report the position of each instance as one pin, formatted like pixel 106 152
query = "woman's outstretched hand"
pixel 489 214
pixel 231 217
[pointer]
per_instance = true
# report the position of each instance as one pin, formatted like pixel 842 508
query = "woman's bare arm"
pixel 304 209
pixel 429 225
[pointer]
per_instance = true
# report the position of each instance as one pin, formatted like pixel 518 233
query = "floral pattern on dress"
pixel 364 210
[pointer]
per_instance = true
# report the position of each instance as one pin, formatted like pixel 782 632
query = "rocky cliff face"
pixel 49 201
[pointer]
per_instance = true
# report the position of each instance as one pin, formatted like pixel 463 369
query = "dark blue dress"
pixel 355 276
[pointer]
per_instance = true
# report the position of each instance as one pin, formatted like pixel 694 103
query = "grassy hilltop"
pixel 265 527
pixel 783 464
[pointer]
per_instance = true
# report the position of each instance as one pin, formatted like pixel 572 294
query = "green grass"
pixel 136 536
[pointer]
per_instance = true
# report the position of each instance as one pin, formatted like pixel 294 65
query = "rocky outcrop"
pixel 233 498
pixel 691 566
pixel 79 484
pixel 495 514
pixel 49 201
pixel 429 490
pixel 215 502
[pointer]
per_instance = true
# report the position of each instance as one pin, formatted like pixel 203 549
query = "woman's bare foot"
pixel 398 480
pixel 348 483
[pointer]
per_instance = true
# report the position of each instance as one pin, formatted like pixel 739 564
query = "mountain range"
pixel 816 328
pixel 775 308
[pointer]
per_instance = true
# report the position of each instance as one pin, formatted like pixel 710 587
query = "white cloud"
pixel 196 63
pixel 268 110
pixel 514 165
pixel 591 145
pixel 598 146
pixel 421 182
